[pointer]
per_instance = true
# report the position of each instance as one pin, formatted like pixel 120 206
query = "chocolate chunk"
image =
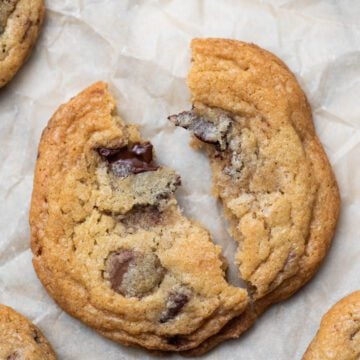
pixel 117 265
pixel 132 273
pixel 127 160
pixel 203 128
pixel 176 340
pixel 176 301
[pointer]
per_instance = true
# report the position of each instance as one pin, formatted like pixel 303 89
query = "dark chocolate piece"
pixel 128 160
pixel 132 273
pixel 204 129
pixel 176 301
pixel 117 265
pixel 176 340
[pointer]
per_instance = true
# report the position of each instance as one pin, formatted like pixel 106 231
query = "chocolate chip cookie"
pixel 339 335
pixel 109 242
pixel 20 23
pixel 269 169
pixel 19 339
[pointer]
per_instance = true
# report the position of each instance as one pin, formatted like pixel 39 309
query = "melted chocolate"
pixel 128 160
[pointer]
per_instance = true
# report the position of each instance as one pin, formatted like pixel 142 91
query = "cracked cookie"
pixel 269 169
pixel 338 337
pixel 19 339
pixel 20 23
pixel 109 242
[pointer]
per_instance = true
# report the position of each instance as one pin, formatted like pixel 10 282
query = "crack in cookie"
pixel 267 196
pixel 113 238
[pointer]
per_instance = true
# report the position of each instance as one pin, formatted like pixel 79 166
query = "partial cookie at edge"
pixel 19 339
pixel 338 337
pixel 20 24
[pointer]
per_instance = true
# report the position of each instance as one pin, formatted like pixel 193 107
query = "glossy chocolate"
pixel 128 160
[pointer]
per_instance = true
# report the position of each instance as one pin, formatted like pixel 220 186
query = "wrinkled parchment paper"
pixel 142 49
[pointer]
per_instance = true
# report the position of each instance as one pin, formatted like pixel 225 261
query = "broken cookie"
pixel 19 339
pixel 109 241
pixel 269 169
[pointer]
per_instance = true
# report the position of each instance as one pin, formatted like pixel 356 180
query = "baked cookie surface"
pixel 20 23
pixel 19 339
pixel 109 242
pixel 338 337
pixel 269 169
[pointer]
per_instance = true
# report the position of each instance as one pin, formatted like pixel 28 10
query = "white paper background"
pixel 142 49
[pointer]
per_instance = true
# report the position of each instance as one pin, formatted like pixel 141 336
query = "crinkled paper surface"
pixel 142 49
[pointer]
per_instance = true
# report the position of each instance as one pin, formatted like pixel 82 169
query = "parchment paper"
pixel 142 49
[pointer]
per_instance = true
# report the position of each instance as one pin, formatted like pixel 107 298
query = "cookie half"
pixel 19 339
pixel 109 242
pixel 269 169
pixel 339 335
pixel 20 24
